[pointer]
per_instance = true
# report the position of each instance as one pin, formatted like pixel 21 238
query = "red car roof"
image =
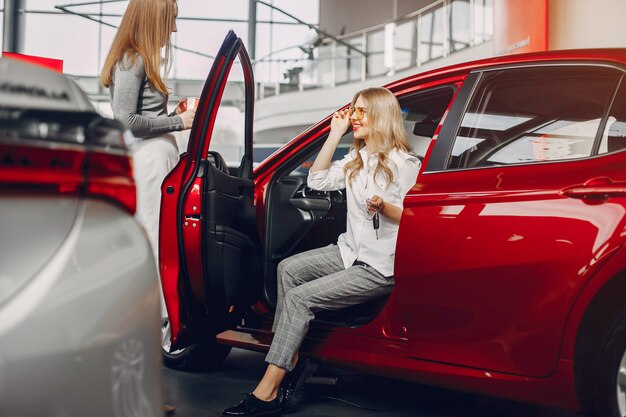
pixel 615 55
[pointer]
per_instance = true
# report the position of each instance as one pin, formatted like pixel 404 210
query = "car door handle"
pixel 601 188
pixel 311 204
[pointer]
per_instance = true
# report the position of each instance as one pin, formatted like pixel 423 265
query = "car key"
pixel 376 223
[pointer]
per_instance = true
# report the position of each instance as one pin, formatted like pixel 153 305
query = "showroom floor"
pixel 206 394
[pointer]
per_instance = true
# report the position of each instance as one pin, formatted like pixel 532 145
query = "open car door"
pixel 208 243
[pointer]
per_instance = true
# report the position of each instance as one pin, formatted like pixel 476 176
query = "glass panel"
pixel 431 35
pixel 266 68
pixel 614 137
pixel 107 33
pixel 376 53
pixel 343 148
pixel 118 7
pixel 323 60
pixel 483 21
pixel 262 151
pixel 41 5
pixel 355 64
pixel 349 62
pixel 284 49
pixel 49 5
pixel 216 9
pixel 266 14
pixel 191 66
pixel 80 56
pixel 533 115
pixel 262 72
pixel 422 113
pixel 228 134
pixel 459 24
pixel 307 11
pixel 405 53
pixel 341 64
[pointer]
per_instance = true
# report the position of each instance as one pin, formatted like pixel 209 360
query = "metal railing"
pixel 436 31
pixel 433 32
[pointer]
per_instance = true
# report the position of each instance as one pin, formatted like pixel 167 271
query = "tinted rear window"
pixel 533 115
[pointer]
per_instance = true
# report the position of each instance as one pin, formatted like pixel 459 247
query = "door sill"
pixel 250 339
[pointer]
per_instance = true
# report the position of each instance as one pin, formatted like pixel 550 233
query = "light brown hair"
pixel 385 131
pixel 145 30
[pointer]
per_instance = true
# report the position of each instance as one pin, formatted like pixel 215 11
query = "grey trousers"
pixel 312 281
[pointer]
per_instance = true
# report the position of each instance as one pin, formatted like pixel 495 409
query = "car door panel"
pixel 208 220
pixel 229 239
pixel 500 258
pixel 496 294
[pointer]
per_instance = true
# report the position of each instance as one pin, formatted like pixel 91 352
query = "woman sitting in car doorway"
pixel 377 173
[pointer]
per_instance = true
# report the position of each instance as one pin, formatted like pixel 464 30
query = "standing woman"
pixel 133 72
pixel 377 173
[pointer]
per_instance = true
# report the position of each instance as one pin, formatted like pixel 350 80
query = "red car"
pixel 510 267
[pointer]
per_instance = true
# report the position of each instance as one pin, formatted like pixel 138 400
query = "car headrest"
pixel 218 162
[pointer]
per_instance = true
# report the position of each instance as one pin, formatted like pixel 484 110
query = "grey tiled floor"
pixel 206 394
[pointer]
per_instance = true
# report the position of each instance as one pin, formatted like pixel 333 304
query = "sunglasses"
pixel 359 112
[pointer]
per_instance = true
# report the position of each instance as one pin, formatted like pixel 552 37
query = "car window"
pixel 228 133
pixel 614 136
pixel 263 151
pixel 342 150
pixel 533 115
pixel 421 114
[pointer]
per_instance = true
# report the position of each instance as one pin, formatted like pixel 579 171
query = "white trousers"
pixel 153 159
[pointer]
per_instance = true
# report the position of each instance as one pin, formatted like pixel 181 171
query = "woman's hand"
pixel 338 126
pixel 376 203
pixel 187 117
pixel 390 211
pixel 185 104
pixel 179 106
pixel 339 123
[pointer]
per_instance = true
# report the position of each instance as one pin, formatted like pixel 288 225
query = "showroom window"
pixel 459 25
pixel 537 114
pixel 431 44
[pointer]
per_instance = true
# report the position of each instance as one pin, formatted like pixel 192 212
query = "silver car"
pixel 79 295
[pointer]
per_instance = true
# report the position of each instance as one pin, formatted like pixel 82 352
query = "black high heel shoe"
pixel 292 388
pixel 251 406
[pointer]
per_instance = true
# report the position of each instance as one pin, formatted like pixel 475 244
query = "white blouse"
pixel 359 241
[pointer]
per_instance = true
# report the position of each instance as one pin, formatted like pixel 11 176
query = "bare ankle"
pixel 264 395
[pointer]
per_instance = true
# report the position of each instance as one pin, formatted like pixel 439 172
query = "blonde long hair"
pixel 145 29
pixel 386 131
